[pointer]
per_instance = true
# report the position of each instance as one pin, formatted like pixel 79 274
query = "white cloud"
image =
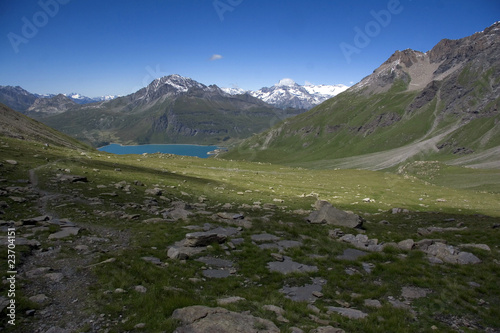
pixel 215 57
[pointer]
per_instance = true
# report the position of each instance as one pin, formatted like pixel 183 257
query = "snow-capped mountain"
pixel 80 99
pixel 234 91
pixel 288 94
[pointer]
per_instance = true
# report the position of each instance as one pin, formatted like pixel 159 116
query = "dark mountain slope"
pixel 16 125
pixel 172 109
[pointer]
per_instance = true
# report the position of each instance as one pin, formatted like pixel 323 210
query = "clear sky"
pixel 108 47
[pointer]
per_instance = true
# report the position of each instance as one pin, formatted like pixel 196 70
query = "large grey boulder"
pixel 325 213
pixel 202 319
pixel 203 238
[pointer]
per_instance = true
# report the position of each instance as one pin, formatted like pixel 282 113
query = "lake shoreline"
pixel 192 150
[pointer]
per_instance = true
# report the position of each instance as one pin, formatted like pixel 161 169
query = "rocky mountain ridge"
pixel 439 104
pixel 171 109
pixel 288 94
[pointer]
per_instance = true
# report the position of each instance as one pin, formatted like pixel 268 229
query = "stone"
pixel 11 162
pixel 35 220
pixel 153 260
pixel 275 309
pixel 72 179
pixel 230 300
pixel 65 232
pixel 37 272
pixel 153 191
pixel 216 273
pixel 183 252
pixel 327 214
pixel 399 211
pixel 465 258
pixel 304 293
pixel 327 329
pixel 449 254
pixel 351 254
pixel 203 238
pixel 140 325
pixel 477 246
pixel 347 312
pixel 82 248
pixel 289 266
pixel 411 293
pixel 373 303
pixel 140 289
pixel 202 319
pixel 210 261
pixel 264 238
pixel 278 257
pixel 406 245
pixel 55 277
pixel 40 298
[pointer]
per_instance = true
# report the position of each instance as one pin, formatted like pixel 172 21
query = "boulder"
pixel 327 214
pixel 201 319
pixel 203 238
pixel 65 232
pixel 406 245
pixel 347 312
pixel 71 178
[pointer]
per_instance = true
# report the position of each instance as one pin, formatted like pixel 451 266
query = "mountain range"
pixel 176 110
pixel 441 105
pixel 21 100
pixel 171 109
pixel 288 94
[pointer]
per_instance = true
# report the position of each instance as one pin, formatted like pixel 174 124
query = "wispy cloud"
pixel 215 57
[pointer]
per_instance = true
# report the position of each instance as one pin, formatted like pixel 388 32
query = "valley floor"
pixel 162 243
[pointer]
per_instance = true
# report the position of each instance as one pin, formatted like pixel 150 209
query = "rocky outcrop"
pixel 202 319
pixel 325 213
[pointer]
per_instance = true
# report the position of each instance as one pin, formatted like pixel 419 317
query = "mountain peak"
pixel 286 82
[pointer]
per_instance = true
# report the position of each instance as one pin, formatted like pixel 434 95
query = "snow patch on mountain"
pixel 288 94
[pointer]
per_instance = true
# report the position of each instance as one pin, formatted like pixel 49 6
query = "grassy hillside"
pixel 102 265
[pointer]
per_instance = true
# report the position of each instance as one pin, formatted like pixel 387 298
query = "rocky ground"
pixel 233 267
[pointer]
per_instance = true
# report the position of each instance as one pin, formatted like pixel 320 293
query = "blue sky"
pixel 109 47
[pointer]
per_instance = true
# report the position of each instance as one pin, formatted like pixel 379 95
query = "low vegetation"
pixel 120 291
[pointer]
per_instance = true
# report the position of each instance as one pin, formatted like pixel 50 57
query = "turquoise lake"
pixel 186 150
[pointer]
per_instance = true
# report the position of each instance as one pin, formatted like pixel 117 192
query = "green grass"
pixel 243 183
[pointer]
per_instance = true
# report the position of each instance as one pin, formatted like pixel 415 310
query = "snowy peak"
pixel 288 94
pixel 180 83
pixel 286 82
pixel 234 91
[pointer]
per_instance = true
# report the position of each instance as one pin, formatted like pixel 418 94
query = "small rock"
pixel 40 298
pixel 82 248
pixel 65 232
pixel 119 291
pixel 230 300
pixel 12 162
pixel 140 325
pixel 373 303
pixel 317 294
pixel 406 245
pixel 347 312
pixel 140 289
pixel 278 257
pixel 55 277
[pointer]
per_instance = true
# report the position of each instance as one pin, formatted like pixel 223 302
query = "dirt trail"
pixel 66 277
